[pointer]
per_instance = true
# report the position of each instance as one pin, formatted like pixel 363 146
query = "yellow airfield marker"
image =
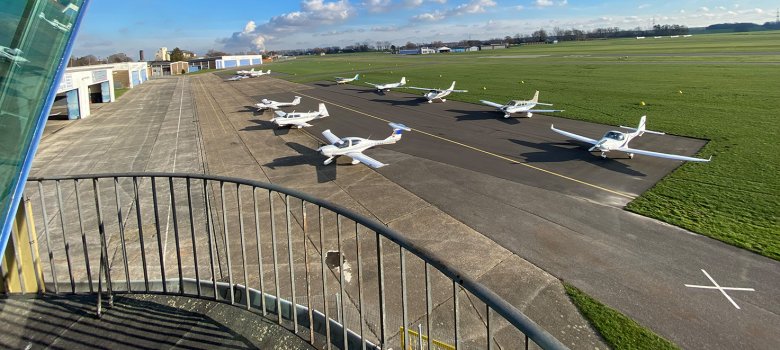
pixel 680 91
pixel 522 82
pixel 642 103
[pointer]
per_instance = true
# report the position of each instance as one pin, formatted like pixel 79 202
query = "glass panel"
pixel 34 35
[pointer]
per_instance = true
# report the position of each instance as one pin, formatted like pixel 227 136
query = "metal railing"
pixel 327 273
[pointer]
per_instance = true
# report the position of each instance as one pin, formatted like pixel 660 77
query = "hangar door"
pixel 136 78
pixel 144 77
pixel 245 62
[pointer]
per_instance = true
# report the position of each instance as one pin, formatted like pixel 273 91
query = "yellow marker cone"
pixel 642 103
pixel 484 88
pixel 522 82
pixel 680 91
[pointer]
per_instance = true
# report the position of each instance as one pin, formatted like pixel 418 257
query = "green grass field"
pixel 730 86
pixel 619 331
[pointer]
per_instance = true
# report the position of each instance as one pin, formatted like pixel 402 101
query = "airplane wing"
pixel 333 139
pixel 365 159
pixel 420 88
pixel 491 104
pixel 544 110
pixel 459 90
pixel 301 124
pixel 662 155
pixel 574 136
pixel 372 84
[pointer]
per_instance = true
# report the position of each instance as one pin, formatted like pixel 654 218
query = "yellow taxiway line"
pixel 513 161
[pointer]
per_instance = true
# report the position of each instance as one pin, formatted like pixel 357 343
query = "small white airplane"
pixel 300 119
pixel 618 141
pixel 521 106
pixel 55 23
pixel 438 94
pixel 387 87
pixel 270 104
pixel 13 55
pixel 342 80
pixel 245 72
pixel 237 77
pixel 259 73
pixel 353 147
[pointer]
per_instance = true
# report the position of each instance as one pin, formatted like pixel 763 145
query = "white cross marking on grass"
pixel 721 289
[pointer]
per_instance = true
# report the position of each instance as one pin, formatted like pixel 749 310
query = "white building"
pixel 82 86
pixel 162 54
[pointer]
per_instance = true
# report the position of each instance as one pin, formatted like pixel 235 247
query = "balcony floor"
pixel 137 322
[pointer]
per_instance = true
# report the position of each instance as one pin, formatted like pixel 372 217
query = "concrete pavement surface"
pixel 198 124
pixel 561 209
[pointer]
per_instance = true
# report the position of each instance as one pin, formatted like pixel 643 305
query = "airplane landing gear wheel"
pixel 630 156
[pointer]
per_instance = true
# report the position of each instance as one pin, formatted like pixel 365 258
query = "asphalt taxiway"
pixel 548 200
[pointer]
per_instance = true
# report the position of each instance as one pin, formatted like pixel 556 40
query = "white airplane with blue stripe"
pixel 353 147
pixel 522 106
pixel 618 141
pixel 438 94
pixel 342 80
pixel 299 119
pixel 388 86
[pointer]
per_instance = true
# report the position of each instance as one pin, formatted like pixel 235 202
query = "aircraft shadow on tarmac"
pixel 306 156
pixel 552 152
pixel 409 101
pixel 266 125
pixel 255 111
pixel 483 115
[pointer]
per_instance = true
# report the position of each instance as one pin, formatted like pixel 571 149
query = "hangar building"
pixel 224 62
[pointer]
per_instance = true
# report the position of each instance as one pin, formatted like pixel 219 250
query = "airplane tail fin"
pixel 642 128
pixel 452 87
pixel 357 76
pixel 296 101
pixel 398 129
pixel 536 97
pixel 323 111
pixel 403 81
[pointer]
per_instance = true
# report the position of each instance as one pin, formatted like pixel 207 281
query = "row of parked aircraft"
pixel 351 147
pixel 244 74
pixel 611 141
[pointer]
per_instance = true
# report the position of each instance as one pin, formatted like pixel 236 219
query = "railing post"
pixel 22 271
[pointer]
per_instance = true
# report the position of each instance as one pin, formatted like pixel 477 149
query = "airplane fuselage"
pixel 434 95
pixel 613 140
pixel 353 144
pixel 295 119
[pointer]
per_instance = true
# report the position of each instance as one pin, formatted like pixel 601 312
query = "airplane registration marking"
pixel 721 289
pixel 513 161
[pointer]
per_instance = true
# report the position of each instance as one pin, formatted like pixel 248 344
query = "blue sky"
pixel 112 26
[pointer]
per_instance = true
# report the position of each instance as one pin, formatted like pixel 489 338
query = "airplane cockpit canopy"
pixel 515 103
pixel 615 135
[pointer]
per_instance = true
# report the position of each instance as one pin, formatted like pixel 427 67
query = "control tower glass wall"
pixel 35 41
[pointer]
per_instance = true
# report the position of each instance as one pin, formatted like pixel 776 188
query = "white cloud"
pixel 475 6
pixel 519 7
pixel 722 8
pixel 313 13
pixel 704 9
pixel 471 7
pixel 643 6
pixel 543 3
pixel 376 5
pixel 430 16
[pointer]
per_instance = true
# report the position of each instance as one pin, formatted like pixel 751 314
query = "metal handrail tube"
pixel 490 298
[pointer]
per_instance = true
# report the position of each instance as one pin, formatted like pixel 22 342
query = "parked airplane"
pixel 245 72
pixel 299 119
pixel 522 106
pixel 387 87
pixel 13 55
pixel 342 80
pixel 353 147
pixel 618 141
pixel 438 94
pixel 255 74
pixel 270 104
pixel 237 77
